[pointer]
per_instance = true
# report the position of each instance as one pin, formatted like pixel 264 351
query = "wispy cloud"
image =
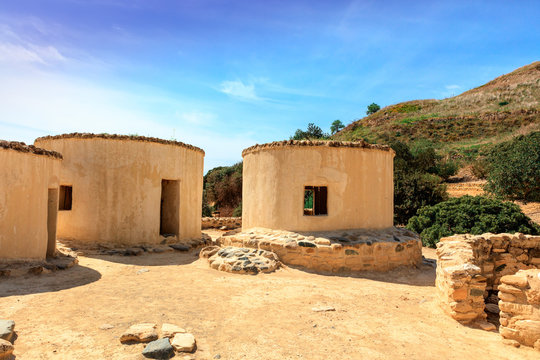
pixel 29 53
pixel 239 90
pixel 196 117
pixel 452 87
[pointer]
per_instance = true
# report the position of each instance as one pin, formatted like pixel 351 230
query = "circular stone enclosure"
pixel 127 190
pixel 28 201
pixel 317 186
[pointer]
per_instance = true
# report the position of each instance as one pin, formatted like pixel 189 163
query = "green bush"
pixel 223 188
pixel 469 214
pixel 514 168
pixel 415 181
pixel 238 211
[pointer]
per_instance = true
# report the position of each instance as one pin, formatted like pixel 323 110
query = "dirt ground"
pixel 268 316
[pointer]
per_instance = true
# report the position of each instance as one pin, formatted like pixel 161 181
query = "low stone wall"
pixel 350 250
pixel 470 268
pixel 520 307
pixel 224 223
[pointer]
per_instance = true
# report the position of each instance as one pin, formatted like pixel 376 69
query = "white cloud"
pixel 452 87
pixel 239 90
pixel 35 103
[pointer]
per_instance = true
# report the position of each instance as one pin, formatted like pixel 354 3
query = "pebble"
pixel 142 271
pixel 323 308
pixel 106 327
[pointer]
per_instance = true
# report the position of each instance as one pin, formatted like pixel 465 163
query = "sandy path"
pixel 269 316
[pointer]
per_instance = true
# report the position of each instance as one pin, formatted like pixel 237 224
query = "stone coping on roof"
pixel 328 143
pixel 30 149
pixel 120 137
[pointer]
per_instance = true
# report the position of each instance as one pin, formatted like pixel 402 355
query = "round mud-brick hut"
pixel 317 186
pixel 28 201
pixel 127 190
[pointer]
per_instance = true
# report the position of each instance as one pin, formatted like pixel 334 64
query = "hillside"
pixel 490 113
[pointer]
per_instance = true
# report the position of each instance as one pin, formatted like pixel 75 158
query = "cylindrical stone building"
pixel 127 190
pixel 317 186
pixel 28 201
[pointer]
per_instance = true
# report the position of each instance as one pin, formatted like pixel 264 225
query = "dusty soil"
pixel 268 316
pixel 474 188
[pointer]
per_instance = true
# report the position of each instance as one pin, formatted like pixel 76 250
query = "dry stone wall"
pixel 225 223
pixel 470 270
pixel 520 307
pixel 335 251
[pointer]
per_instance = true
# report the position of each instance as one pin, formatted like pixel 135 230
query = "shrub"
pixel 414 185
pixel 238 211
pixel 514 168
pixel 223 188
pixel 469 214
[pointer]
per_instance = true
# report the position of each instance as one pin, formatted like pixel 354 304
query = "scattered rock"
pixel 323 308
pixel 133 252
pixel 217 356
pixel 106 327
pixel 6 349
pixel 487 326
pixel 183 342
pixel 514 343
pixel 159 349
pixel 6 329
pixel 169 330
pixel 140 333
pixel 179 247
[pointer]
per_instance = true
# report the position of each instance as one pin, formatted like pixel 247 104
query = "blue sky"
pixel 224 75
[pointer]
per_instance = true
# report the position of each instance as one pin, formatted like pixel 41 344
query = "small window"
pixel 65 198
pixel 315 200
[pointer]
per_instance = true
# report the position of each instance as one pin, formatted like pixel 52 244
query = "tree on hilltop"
pixel 372 109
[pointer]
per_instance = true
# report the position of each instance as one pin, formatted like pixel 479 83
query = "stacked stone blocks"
pixel 472 268
pixel 352 250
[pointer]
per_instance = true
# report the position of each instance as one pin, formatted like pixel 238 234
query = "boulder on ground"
pixel 144 332
pixel 159 349
pixel 183 342
pixel 6 348
pixel 169 330
pixel 6 329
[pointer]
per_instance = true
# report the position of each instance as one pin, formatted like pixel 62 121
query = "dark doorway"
pixel 52 216
pixel 170 207
pixel 315 200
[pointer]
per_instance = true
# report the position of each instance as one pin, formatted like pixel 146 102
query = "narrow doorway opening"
pixel 315 200
pixel 170 208
pixel 52 216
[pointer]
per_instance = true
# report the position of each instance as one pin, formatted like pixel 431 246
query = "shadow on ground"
pixel 424 275
pixel 55 281
pixel 151 259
